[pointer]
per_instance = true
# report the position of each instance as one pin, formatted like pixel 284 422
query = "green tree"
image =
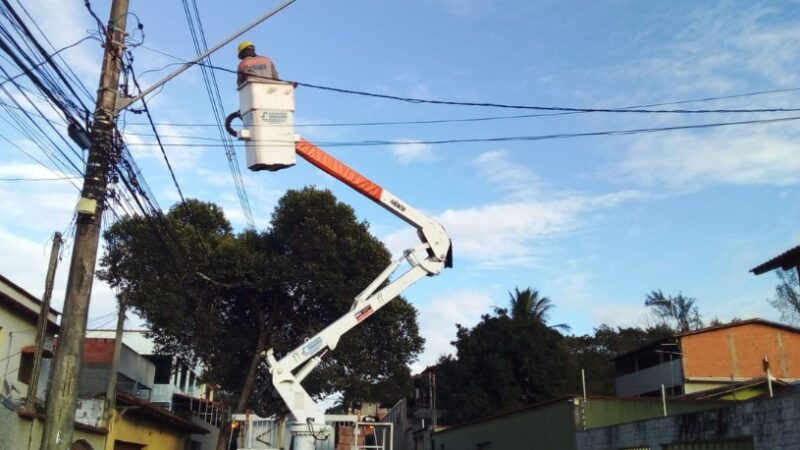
pixel 222 298
pixel 678 312
pixel 787 296
pixel 527 305
pixel 500 364
pixel 595 353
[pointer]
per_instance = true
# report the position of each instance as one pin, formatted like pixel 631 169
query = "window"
pixel 122 445
pixel 163 365
pixel 25 367
pixel 184 372
pixel 26 358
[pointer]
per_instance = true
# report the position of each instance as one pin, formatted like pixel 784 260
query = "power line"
pixel 17 22
pixel 214 97
pixel 23 128
pixel 35 124
pixel 541 108
pixel 40 179
pixel 13 144
pixel 48 59
pixel 158 138
pixel 45 84
pixel 61 102
pixel 57 52
pixel 518 138
pixel 560 109
pixel 201 241
pixel 369 124
pixel 54 94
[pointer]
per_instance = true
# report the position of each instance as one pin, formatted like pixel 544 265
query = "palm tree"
pixel 680 310
pixel 527 305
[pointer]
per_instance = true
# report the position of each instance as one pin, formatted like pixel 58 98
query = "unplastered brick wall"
pixel 739 352
pixel 772 424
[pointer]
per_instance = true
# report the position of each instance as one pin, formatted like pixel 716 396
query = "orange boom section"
pixel 338 170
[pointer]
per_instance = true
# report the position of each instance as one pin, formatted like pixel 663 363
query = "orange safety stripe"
pixel 338 169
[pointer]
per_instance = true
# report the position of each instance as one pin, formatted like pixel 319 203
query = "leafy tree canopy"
pixel 594 353
pixel 222 298
pixel 787 296
pixel 527 305
pixel 679 312
pixel 501 363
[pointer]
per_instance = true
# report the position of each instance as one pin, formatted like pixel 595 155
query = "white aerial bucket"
pixel 267 110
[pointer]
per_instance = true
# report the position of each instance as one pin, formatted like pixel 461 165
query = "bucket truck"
pixel 267 113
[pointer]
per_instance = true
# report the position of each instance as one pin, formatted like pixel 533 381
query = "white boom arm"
pixel 426 259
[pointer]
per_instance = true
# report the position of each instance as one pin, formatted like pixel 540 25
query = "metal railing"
pixel 347 433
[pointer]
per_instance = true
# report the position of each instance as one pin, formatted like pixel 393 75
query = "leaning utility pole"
pixel 61 398
pixel 111 389
pixel 41 325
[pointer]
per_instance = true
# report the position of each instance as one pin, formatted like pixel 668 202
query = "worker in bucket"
pixel 254 65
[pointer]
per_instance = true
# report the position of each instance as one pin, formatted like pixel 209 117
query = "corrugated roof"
pixel 159 415
pixel 785 261
pixel 735 386
pixel 740 323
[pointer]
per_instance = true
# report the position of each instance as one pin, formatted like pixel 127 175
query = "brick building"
pixel 710 358
pixel 157 388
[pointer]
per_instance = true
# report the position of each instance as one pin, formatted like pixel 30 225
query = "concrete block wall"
pixel 772 424
pixel 89 411
pixel 93 380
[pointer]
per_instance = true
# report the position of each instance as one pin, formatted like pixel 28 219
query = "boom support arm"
pixel 426 259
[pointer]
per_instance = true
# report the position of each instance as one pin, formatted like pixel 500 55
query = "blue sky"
pixel 594 223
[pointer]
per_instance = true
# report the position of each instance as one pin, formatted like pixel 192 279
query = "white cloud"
pixel 574 288
pixel 42 206
pixel 719 50
pixel 183 151
pixel 25 263
pixel 513 233
pixel 438 319
pixel 65 24
pixel 498 169
pixel 33 211
pixel 22 170
pixel 688 160
pixel 577 296
pixel 411 151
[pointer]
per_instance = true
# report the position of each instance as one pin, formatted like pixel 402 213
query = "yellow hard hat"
pixel 243 45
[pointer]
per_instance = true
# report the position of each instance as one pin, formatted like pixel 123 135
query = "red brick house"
pixel 710 358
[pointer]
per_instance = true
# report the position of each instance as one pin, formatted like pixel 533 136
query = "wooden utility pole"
pixel 62 395
pixel 41 325
pixel 111 389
